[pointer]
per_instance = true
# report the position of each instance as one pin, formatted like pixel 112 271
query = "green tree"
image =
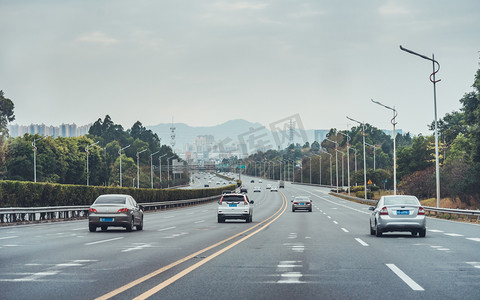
pixel 6 113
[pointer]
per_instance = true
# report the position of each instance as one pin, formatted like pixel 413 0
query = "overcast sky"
pixel 206 62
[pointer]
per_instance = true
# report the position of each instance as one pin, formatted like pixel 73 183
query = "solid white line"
pixel 8 237
pixel 409 281
pixel 361 242
pixel 474 239
pixel 453 234
pixel 168 228
pixel 103 241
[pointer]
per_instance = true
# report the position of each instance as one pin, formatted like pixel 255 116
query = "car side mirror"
pixel 141 207
pixel 251 202
pixel 371 208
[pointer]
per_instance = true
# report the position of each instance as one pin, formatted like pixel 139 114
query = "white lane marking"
pixel 345 230
pixel 474 264
pixel 168 217
pixel 361 242
pixel 409 281
pixel 290 277
pixel 474 239
pixel 199 222
pixel 78 229
pixel 298 248
pixel 139 247
pixel 168 228
pixel 8 237
pixel 453 234
pixel 103 241
pixel 329 217
pixel 335 222
pixel 175 235
pixel 434 230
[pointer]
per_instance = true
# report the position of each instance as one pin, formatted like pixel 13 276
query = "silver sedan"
pixel 398 213
pixel 117 211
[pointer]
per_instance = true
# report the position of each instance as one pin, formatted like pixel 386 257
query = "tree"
pixel 6 113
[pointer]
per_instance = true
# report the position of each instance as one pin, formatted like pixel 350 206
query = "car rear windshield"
pixel 302 199
pixel 401 201
pixel 233 198
pixel 110 200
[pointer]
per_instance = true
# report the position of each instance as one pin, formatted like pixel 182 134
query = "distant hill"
pixel 231 129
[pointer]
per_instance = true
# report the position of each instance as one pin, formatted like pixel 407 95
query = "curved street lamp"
pixel 160 165
pixel 88 153
pixel 374 150
pixel 364 155
pixel 151 167
pixel 120 154
pixel 348 160
pixel 138 167
pixel 35 157
pixel 432 79
pixel 336 160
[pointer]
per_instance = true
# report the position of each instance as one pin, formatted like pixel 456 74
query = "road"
pixel 184 254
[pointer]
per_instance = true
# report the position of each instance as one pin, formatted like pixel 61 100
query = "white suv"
pixel 234 206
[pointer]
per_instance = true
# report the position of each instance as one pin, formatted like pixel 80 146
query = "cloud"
pixel 392 8
pixel 241 5
pixel 97 38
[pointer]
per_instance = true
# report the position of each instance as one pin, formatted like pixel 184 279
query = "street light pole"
pixel 364 156
pixel 168 169
pixel 432 79
pixel 120 154
pixel 86 150
pixel 160 165
pixel 151 167
pixel 319 169
pixel 374 150
pixel 343 155
pixel 336 161
pixel 348 160
pixel 35 157
pixel 331 177
pixel 395 114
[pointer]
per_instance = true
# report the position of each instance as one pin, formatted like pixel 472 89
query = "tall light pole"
pixel 348 160
pixel 364 155
pixel 343 155
pixel 434 81
pixel 374 150
pixel 160 165
pixel 168 169
pixel 88 153
pixel 310 167
pixel 319 169
pixel 120 154
pixel 336 161
pixel 35 157
pixel 331 177
pixel 151 167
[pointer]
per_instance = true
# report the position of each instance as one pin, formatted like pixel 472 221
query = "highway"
pixel 185 254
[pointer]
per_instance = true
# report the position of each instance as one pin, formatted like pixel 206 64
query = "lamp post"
pixel 432 79
pixel 138 167
pixel 395 114
pixel 120 154
pixel 364 156
pixel 151 167
pixel 319 169
pixel 168 169
pixel 86 150
pixel 348 160
pixel 331 177
pixel 160 165
pixel 374 148
pixel 35 157
pixel 343 155
pixel 336 161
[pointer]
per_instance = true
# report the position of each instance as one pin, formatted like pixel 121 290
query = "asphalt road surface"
pixel 185 254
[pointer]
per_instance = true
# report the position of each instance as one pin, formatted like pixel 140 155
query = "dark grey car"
pixel 116 211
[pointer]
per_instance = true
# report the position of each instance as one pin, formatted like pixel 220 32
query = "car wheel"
pixel 293 209
pixel 104 228
pixel 372 232
pixel 92 228
pixel 130 226
pixel 310 210
pixel 423 232
pixel 220 220
pixel 378 232
pixel 140 226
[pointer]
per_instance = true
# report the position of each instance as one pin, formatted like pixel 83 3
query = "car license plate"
pixel 302 203
pixel 106 219
pixel 232 205
pixel 403 212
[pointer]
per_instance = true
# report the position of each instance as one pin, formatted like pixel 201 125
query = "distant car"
pixel 281 184
pixel 243 190
pixel 398 213
pixel 274 189
pixel 234 206
pixel 218 182
pixel 301 203
pixel 252 181
pixel 260 181
pixel 269 186
pixel 206 185
pixel 227 192
pixel 115 210
pixel 257 189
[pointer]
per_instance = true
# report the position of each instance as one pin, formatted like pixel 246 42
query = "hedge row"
pixel 30 194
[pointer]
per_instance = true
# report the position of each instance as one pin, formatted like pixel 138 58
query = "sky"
pixel 206 62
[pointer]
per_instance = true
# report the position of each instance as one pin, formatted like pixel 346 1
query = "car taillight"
pixel 92 210
pixel 421 211
pixel 123 210
pixel 384 211
pixel 295 202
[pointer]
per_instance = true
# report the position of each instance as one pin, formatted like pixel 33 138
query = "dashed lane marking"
pixel 409 281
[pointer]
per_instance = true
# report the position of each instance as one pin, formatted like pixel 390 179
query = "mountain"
pixel 233 131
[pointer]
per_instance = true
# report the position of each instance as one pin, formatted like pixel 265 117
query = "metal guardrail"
pixel 11 215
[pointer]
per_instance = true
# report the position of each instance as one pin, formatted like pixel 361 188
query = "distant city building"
pixel 64 130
